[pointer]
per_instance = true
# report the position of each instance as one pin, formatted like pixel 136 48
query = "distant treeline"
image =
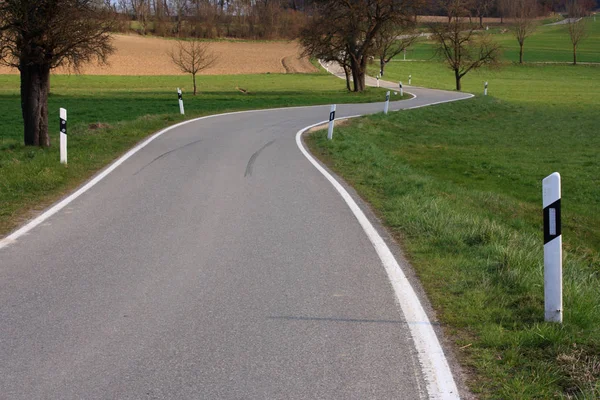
pixel 268 19
pixel 244 19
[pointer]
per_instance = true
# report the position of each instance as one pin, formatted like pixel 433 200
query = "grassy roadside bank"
pixel 459 185
pixel 109 114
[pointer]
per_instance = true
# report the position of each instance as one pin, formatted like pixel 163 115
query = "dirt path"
pixel 138 55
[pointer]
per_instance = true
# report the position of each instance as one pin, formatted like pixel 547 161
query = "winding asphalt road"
pixel 214 263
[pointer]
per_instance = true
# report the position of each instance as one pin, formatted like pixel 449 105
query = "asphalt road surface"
pixel 215 263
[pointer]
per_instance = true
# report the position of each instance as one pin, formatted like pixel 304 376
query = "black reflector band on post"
pixel 63 126
pixel 552 225
pixel 179 96
pixel 332 115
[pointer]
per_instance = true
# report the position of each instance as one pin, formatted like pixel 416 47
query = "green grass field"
pixel 547 44
pixel 130 109
pixel 459 185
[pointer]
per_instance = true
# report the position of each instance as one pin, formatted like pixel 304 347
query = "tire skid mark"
pixel 254 157
pixel 164 154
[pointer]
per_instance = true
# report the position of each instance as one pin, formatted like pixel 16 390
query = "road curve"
pixel 214 263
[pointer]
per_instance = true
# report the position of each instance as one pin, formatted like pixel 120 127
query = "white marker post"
pixel 387 103
pixel 377 80
pixel 553 304
pixel 180 102
pixel 401 89
pixel 485 89
pixel 331 122
pixel 63 136
pixel 409 79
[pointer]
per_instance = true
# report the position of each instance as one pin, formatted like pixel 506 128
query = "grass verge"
pixel 459 185
pixel 109 114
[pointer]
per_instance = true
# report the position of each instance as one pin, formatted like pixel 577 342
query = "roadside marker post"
pixel 377 80
pixel 387 103
pixel 63 136
pixel 401 89
pixel 331 122
pixel 180 101
pixel 409 79
pixel 551 195
pixel 485 89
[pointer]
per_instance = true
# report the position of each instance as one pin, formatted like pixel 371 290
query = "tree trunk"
pixel 353 69
pixel 358 76
pixel 381 66
pixel 481 21
pixel 194 79
pixel 347 72
pixel 360 83
pixel 574 54
pixel 362 74
pixel 35 85
pixel 520 53
pixel 457 76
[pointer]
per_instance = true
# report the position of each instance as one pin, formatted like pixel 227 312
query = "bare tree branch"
pixel 345 31
pixel 523 13
pixel 192 57
pixel 463 49
pixel 576 11
pixel 393 39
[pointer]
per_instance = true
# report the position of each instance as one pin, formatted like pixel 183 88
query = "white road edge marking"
pixel 435 367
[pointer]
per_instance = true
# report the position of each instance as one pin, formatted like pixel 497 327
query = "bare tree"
pixel 576 24
pixel 502 8
pixel 192 57
pixel 391 40
pixel 141 10
pixel 354 24
pixel 454 8
pixel 179 8
pixel 523 13
pixel 462 48
pixel 327 46
pixel 39 35
pixel 481 8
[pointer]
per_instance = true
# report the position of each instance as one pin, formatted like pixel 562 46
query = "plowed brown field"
pixel 137 55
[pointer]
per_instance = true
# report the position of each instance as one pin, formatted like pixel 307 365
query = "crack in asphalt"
pixel 254 157
pixel 164 154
